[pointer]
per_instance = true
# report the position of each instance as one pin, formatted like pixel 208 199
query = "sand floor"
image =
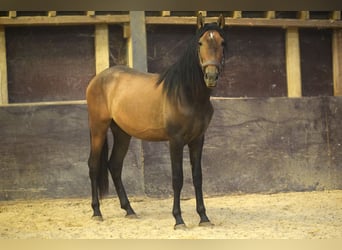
pixel 303 215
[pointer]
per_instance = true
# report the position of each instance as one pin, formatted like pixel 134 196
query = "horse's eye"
pixel 223 43
pixel 199 43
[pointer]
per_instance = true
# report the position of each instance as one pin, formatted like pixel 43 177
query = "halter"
pixel 218 65
pixel 212 63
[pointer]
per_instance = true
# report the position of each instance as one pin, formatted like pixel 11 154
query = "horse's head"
pixel 211 49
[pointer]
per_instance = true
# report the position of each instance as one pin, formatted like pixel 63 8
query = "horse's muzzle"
pixel 211 76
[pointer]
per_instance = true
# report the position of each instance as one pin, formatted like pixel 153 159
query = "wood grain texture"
pixel 101 47
pixel 3 68
pixel 337 61
pixel 293 70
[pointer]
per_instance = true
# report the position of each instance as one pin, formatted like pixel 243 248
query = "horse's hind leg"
pixel 119 151
pixel 98 134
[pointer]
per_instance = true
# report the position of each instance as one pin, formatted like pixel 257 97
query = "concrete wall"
pixel 252 145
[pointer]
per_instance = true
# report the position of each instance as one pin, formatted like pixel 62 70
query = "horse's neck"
pixel 201 99
pixel 194 103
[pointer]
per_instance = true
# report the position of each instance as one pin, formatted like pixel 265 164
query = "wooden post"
pixel 270 14
pixel 137 50
pixel 304 15
pixel 3 68
pixel 52 13
pixel 90 13
pixel 237 14
pixel 166 13
pixel 101 47
pixel 294 86
pixel 335 15
pixel 12 14
pixel 337 61
pixel 203 12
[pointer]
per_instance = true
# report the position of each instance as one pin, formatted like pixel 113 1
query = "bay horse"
pixel 174 106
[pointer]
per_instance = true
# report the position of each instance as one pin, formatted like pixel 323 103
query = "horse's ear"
pixel 220 21
pixel 200 21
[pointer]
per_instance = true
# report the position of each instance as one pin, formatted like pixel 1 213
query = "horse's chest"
pixel 190 125
pixel 194 130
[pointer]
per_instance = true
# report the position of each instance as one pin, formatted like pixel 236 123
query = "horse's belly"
pixel 148 133
pixel 142 124
pixel 139 111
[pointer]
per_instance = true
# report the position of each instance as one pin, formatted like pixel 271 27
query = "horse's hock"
pixel 264 142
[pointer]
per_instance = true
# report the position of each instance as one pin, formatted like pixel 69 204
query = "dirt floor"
pixel 304 215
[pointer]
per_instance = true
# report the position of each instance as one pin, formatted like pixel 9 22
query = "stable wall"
pixel 263 143
pixel 252 145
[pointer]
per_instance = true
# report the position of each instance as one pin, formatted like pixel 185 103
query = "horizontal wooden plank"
pixel 260 22
pixel 31 104
pixel 64 20
pixel 111 19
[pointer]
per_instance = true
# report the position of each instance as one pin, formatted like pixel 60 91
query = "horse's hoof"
pixel 97 218
pixel 206 224
pixel 132 216
pixel 180 226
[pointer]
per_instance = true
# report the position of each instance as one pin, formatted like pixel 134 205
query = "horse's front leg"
pixel 195 150
pixel 176 152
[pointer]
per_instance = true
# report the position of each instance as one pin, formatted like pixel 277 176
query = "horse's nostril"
pixel 211 76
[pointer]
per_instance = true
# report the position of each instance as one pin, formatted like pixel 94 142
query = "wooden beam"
pixel 137 47
pixel 52 13
pixel 203 12
pixel 101 47
pixel 63 20
pixel 90 13
pixel 126 31
pixel 270 14
pixel 237 14
pixel 3 68
pixel 336 15
pixel 55 103
pixel 294 86
pixel 122 19
pixel 250 22
pixel 337 61
pixel 304 15
pixel 166 13
pixel 12 14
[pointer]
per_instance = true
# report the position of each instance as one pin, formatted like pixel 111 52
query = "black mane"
pixel 186 74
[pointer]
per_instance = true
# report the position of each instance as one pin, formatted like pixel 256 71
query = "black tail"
pixel 103 172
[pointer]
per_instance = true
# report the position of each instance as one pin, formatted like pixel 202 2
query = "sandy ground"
pixel 305 215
